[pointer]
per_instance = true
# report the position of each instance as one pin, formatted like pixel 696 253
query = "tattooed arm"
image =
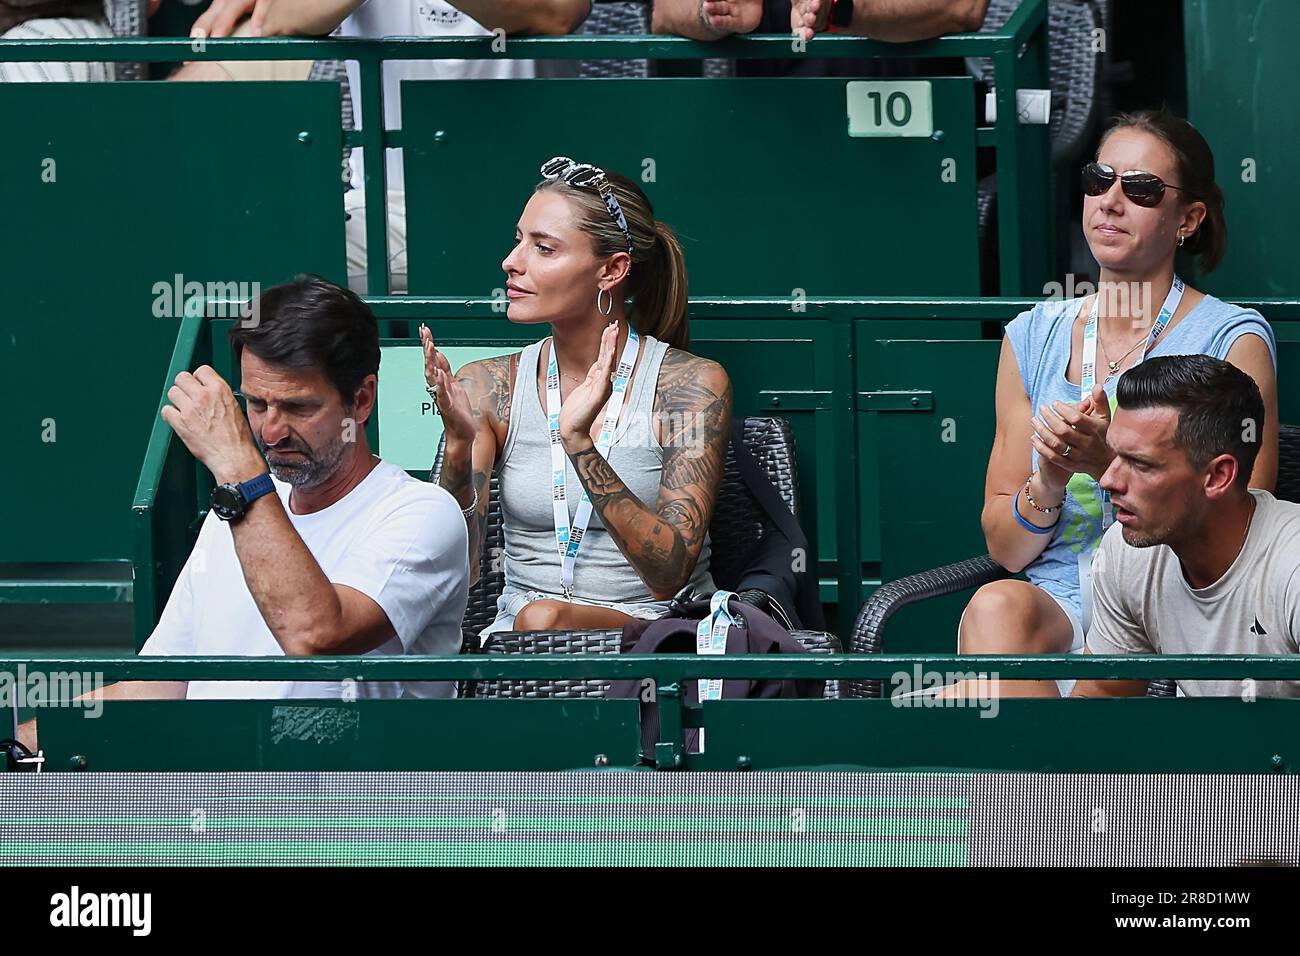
pixel 693 414
pixel 467 468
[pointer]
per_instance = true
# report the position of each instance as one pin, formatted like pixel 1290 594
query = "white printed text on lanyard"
pixel 569 538
pixel 711 638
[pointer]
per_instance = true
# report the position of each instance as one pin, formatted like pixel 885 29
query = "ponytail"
pixel 656 284
pixel 1211 237
pixel 658 291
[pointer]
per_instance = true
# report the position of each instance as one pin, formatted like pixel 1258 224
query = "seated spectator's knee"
pixel 1000 620
pixel 539 616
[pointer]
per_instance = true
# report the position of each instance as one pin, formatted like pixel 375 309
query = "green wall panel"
pixel 1241 95
pixel 759 177
pixel 112 189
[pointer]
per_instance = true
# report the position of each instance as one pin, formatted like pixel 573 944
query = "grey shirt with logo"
pixel 1142 604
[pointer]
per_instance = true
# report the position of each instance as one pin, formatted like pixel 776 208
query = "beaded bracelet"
pixel 1034 504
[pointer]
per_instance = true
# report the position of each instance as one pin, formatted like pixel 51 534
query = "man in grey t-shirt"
pixel 1195 563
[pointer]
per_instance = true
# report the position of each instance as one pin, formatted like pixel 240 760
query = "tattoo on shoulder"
pixel 489 384
pixel 694 408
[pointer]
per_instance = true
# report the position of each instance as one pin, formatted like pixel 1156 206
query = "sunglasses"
pixel 589 177
pixel 1144 189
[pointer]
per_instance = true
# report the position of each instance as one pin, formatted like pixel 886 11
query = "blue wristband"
pixel 1027 525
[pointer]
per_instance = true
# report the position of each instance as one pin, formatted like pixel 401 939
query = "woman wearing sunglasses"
pixel 1149 193
pixel 608 434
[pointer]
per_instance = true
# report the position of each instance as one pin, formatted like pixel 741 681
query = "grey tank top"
pixel 601 573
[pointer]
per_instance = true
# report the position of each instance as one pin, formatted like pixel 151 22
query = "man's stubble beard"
pixel 315 468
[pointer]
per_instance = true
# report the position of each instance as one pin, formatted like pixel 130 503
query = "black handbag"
pixel 753 632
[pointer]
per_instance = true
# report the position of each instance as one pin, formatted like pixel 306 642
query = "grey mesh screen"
pixel 646 818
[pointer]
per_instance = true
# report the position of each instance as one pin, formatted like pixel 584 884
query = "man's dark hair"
pixel 312 323
pixel 1220 410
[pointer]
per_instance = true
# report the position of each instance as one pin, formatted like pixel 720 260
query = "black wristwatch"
pixel 841 16
pixel 231 501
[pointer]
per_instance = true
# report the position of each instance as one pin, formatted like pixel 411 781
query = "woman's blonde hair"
pixel 656 283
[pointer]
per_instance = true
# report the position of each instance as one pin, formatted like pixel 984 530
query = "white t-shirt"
pixel 419 18
pixel 1142 604
pixel 56 28
pixel 401 542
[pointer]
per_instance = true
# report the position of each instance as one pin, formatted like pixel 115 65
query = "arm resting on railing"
pixel 274 17
pixel 122 690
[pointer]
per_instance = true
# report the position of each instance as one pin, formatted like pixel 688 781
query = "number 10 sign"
pixel 890 108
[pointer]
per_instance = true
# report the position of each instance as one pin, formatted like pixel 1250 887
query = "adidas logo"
pixel 1258 628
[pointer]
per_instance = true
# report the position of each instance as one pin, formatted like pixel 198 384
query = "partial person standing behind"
pixel 56 20
pixel 894 21
pixel 398 18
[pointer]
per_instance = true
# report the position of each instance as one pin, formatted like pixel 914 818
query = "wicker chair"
pixel 868 635
pixel 128 18
pixel 591 642
pixel 1074 68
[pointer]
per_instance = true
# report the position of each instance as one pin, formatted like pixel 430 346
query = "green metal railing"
pixel 1214 735
pixel 1018 51
pixel 668 668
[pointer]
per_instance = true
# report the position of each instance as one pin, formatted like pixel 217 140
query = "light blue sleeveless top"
pixel 1041 340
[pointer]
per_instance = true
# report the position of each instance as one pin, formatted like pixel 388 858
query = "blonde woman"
pixel 609 435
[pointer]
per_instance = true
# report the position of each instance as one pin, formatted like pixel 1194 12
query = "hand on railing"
pixel 273 17
pixel 732 16
pixel 809 17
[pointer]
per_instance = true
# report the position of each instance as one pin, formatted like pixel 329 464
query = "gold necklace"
pixel 1114 366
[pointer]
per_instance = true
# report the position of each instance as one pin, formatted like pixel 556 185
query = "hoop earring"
pixel 1181 239
pixel 599 292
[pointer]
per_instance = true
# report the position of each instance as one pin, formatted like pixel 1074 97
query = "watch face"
pixel 227 502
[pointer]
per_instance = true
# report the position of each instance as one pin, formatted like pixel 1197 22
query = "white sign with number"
pixel 890 107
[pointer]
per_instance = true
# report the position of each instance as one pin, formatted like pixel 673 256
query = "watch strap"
pixel 255 488
pixel 841 16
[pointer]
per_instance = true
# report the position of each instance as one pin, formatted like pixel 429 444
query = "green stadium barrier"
pixel 765 181
pixel 1240 95
pixel 890 401
pixel 1188 735
pixel 112 229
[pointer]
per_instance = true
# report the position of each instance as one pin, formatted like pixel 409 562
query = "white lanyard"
pixel 568 540
pixel 1088 376
pixel 711 638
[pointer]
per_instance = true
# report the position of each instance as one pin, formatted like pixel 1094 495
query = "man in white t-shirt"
pixel 332 551
pixel 1196 563
pixel 398 18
